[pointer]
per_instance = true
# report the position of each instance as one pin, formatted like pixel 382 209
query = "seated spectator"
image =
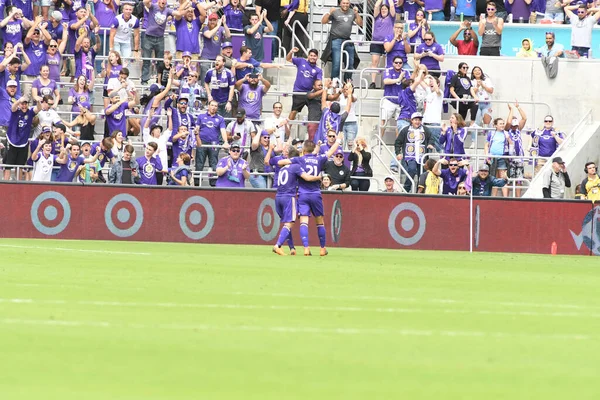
pixel 429 183
pixel 470 43
pixel 453 137
pixel 497 144
pixel 338 172
pixel 126 170
pixel 482 183
pixel 451 176
pixel 382 28
pixel 389 185
pixel 551 48
pixel 527 50
pixel 360 159
pixel 590 186
pixel 555 180
pixel 232 171
pixel 241 131
pixel 181 173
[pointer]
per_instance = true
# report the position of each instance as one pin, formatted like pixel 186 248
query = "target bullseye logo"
pixel 50 213
pixel 267 220
pixel 336 221
pixel 124 215
pixel 191 219
pixel 412 224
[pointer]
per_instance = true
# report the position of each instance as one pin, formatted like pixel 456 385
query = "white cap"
pixel 12 82
pixel 514 122
pixel 57 15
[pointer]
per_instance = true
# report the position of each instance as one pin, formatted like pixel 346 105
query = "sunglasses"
pixel 339 156
pixel 453 165
pixel 548 120
pixel 428 40
pixel 331 136
pixel 183 103
pixel 36 33
pixel 53 46
pixel 398 62
pixel 581 12
pixel 234 150
pixel 50 104
pixel 461 188
pixel 464 67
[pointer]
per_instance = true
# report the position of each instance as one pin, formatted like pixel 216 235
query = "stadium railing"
pixel 379 144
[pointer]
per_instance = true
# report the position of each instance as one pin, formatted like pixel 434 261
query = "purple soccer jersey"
pixel 394 89
pixel 545 142
pixel 187 33
pixel 104 154
pixel 288 179
pixel 397 51
pixel 219 83
pixel 212 45
pixel 117 121
pixel 309 193
pixel 276 168
pixel 451 181
pixel 251 100
pixel 67 171
pixel 37 56
pixel 148 169
pixel 306 75
pixel 234 177
pixel 210 127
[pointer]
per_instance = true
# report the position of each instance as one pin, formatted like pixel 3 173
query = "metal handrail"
pixel 382 145
pixel 292 30
pixel 479 157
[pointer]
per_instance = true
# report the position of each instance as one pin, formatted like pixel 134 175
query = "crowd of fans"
pixel 201 106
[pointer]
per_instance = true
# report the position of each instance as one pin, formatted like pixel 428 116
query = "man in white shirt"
pixel 120 32
pixel 278 126
pixel 121 86
pixel 581 27
pixel 47 115
pixel 432 116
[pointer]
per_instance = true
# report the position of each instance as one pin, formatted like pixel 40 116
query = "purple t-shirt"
pixel 148 169
pixel 13 32
pixel 397 51
pixel 219 83
pixel 545 142
pixel 306 75
pixel 186 33
pixel 433 5
pixel 451 181
pixel 394 89
pixel 114 73
pixel 251 100
pixel 411 7
pixel 313 165
pixel 157 21
pixel 383 28
pixel 54 65
pixel 67 171
pixel 45 90
pixel 117 121
pixel 210 128
pixel 19 127
pixel 104 15
pixel 288 179
pixel 183 144
pixel 431 63
pixel 55 32
pixel 407 102
pixel 75 33
pixel 234 177
pixel 105 155
pixel 84 62
pixel 37 56
pixel 6 76
pixel 79 98
pixel 26 6
pixel 212 46
pixel 234 17
pixel 520 9
pixel 418 38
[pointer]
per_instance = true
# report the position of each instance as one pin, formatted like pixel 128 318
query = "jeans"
pixel 582 51
pixel 275 42
pixel 437 16
pixel 204 67
pixel 258 181
pixel 213 155
pixel 436 131
pixel 360 185
pixel 151 44
pixel 336 59
pixel 399 125
pixel 412 168
pixel 124 49
pixel 350 130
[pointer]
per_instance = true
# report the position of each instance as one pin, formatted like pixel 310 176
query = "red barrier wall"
pixel 248 217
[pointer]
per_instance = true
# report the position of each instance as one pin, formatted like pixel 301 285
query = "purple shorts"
pixel 286 208
pixel 310 203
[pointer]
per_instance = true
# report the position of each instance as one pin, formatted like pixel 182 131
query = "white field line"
pixel 294 329
pixel 76 250
pixel 385 310
pixel 415 300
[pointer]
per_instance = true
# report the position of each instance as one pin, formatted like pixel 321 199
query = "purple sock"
pixel 322 234
pixel 282 236
pixel 290 240
pixel 304 234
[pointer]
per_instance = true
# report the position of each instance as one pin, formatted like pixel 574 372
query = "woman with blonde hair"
pixel 453 137
pixel 360 159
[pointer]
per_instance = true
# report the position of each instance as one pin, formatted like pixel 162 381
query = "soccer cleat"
pixel 324 252
pixel 292 252
pixel 307 251
pixel 278 251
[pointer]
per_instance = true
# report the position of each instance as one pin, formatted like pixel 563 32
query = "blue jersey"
pixel 313 165
pixel 288 178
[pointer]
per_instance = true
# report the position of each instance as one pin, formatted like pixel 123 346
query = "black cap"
pixel 297 141
pixel 156 126
pixel 61 127
pixel 235 146
pixel 558 160
pixel 253 75
pixel 241 113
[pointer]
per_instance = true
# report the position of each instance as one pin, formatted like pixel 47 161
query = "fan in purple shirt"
pixel 251 94
pixel 85 55
pixel 26 6
pixel 70 163
pixel 214 33
pixel 309 193
pixel 430 54
pixel 234 13
pixel 12 29
pixel 79 24
pixel 115 115
pixel 105 152
pixel 396 45
pixel 149 165
pixel 187 30
pixel 232 171
pixel 36 43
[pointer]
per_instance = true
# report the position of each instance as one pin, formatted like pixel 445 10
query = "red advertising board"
pixel 248 217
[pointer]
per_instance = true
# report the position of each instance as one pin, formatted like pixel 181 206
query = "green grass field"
pixel 117 320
